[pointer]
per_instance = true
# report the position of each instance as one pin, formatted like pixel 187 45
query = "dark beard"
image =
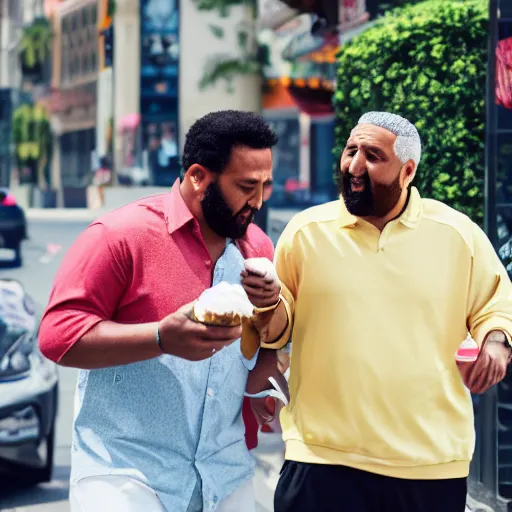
pixel 220 217
pixel 371 202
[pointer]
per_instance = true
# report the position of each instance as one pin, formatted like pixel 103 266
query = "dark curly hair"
pixel 211 139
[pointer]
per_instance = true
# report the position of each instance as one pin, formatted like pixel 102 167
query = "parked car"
pixel 13 225
pixel 28 392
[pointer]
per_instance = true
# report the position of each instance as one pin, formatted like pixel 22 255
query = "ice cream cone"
pixel 225 319
pixel 223 305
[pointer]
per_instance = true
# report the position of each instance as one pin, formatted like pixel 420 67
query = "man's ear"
pixel 197 176
pixel 408 173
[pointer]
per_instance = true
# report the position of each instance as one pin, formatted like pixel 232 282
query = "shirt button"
pixel 210 392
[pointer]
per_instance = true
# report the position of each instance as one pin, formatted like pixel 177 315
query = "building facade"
pixel 11 20
pixel 126 81
pixel 165 77
pixel 299 82
pixel 71 101
pixel 17 22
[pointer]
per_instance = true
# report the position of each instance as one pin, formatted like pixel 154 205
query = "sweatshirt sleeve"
pixel 285 261
pixel 490 291
pixel 87 289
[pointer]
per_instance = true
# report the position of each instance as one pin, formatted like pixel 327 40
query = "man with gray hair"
pixel 365 197
pixel 380 289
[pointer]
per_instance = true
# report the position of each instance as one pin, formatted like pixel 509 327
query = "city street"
pixel 49 240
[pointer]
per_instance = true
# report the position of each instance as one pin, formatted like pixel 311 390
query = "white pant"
pixel 111 493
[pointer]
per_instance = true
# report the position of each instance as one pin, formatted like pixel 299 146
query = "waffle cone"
pixel 226 319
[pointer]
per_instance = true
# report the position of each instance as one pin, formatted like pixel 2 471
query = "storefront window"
pixel 76 150
pixel 323 161
pixel 161 143
pixel 79 45
pixel 286 157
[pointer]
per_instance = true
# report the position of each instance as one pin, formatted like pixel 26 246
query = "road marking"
pixel 51 251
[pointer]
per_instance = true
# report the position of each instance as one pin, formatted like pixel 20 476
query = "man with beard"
pixel 380 288
pixel 158 422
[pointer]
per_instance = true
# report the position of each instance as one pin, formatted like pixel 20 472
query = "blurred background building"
pixel 299 42
pixel 13 16
pixel 116 82
pixel 119 82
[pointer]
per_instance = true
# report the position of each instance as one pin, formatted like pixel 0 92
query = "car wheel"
pixel 18 259
pixel 44 474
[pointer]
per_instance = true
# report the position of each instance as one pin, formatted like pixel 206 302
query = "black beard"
pixel 220 217
pixel 376 202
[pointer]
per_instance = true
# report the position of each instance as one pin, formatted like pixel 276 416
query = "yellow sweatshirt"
pixel 375 320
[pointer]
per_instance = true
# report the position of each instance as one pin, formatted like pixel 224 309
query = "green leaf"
pixel 242 38
pixel 217 31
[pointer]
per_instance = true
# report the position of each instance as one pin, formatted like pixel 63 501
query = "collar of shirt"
pixel 410 217
pixel 254 243
pixel 177 213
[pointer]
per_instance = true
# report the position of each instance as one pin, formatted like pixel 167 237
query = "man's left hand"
pixel 260 282
pixel 266 409
pixel 491 365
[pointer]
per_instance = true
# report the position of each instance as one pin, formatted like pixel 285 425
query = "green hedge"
pixel 391 4
pixel 427 62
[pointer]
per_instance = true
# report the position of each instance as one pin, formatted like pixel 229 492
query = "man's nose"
pixel 357 165
pixel 256 200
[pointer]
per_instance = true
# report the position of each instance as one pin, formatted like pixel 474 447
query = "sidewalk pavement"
pixel 65 214
pixel 482 499
pixel 269 457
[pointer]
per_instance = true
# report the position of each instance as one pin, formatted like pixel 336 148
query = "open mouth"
pixel 357 185
pixel 245 217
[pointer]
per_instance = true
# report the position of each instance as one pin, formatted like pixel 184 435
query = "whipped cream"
pixel 262 267
pixel 468 350
pixel 223 299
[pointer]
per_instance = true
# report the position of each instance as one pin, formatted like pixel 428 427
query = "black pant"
pixel 325 488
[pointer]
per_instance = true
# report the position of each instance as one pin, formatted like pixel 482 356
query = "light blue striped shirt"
pixel 202 457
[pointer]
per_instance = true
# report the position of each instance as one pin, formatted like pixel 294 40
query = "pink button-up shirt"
pixel 136 264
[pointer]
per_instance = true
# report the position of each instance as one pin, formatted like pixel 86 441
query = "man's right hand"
pixel 182 336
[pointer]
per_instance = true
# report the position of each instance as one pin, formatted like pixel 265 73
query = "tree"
pixel 428 63
pixel 35 46
pixel 249 57
pixel 32 139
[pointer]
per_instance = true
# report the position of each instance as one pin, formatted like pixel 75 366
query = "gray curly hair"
pixel 408 142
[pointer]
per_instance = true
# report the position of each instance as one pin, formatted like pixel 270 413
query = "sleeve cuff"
pixel 283 339
pixel 493 324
